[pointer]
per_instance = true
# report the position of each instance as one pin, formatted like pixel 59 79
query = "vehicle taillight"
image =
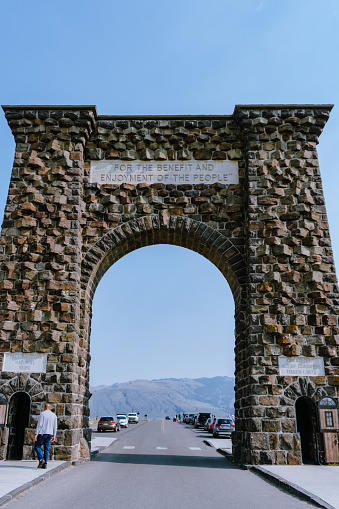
pixel 99 422
pixel 233 425
pixel 112 422
pixel 218 424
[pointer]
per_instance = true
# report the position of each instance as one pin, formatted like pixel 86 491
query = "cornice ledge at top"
pixel 40 107
pixel 282 106
pixel 237 107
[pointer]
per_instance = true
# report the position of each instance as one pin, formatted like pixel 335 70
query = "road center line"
pixel 195 448
pixel 129 447
pixel 162 448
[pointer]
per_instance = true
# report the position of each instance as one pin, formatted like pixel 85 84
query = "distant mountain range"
pixel 170 396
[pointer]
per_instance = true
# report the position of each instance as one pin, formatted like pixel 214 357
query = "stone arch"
pixel 267 232
pixel 24 383
pixel 150 230
pixel 302 387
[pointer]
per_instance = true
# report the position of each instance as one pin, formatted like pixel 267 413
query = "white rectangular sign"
pixel 25 362
pixel 166 172
pixel 301 366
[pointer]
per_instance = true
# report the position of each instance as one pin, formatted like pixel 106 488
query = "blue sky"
pixel 173 313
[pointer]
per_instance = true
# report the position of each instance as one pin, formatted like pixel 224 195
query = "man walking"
pixel 45 434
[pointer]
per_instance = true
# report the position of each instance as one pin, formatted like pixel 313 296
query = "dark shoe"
pixel 44 465
pixel 41 463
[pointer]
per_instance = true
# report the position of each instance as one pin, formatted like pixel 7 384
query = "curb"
pixel 93 454
pixel 17 491
pixel 229 457
pixel 294 489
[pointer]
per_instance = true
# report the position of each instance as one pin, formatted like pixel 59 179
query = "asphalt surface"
pixel 156 464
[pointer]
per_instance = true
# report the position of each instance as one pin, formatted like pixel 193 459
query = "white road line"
pixel 194 448
pixel 162 448
pixel 129 447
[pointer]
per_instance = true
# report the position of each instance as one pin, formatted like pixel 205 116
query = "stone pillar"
pixel 41 257
pixel 292 286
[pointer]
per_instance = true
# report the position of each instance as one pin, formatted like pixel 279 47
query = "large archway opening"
pixel 216 247
pixel 18 421
pixel 162 311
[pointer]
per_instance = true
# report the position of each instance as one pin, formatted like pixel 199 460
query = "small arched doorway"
pixel 18 420
pixel 307 426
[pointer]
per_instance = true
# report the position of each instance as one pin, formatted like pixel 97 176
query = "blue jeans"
pixel 43 440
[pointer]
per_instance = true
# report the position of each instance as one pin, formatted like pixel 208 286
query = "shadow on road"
pixel 166 460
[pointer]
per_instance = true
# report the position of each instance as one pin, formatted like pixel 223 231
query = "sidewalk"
pixel 18 476
pixel 316 483
pixel 319 483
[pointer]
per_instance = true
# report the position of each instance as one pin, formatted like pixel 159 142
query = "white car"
pixel 123 420
pixel 133 417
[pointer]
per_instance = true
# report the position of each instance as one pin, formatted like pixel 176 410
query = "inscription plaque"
pixel 25 362
pixel 301 366
pixel 166 172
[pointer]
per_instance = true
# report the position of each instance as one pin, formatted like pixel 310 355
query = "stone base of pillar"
pixel 266 448
pixel 67 453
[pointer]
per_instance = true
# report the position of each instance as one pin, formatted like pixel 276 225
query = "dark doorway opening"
pixel 18 419
pixel 307 426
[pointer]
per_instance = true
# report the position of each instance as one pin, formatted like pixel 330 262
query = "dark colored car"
pixel 201 419
pixel 190 418
pixel 167 418
pixel 108 424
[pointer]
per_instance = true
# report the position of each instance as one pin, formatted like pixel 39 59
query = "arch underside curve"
pixel 151 230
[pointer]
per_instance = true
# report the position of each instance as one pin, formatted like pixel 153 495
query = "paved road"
pixel 156 465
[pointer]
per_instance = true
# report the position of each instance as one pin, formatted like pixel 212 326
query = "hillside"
pixel 171 396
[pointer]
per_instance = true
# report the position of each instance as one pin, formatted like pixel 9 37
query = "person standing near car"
pixel 45 434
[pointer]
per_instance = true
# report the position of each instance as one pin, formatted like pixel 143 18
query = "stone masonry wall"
pixel 268 235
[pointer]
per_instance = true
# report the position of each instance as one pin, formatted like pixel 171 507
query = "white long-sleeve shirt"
pixel 47 423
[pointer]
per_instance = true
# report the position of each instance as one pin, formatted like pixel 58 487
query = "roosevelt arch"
pixel 62 229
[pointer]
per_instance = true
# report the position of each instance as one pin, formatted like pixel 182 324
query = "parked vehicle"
pixel 190 418
pixel 133 417
pixel 122 418
pixel 108 424
pixel 211 424
pixel 223 426
pixel 167 418
pixel 207 423
pixel 201 419
pixel 186 418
